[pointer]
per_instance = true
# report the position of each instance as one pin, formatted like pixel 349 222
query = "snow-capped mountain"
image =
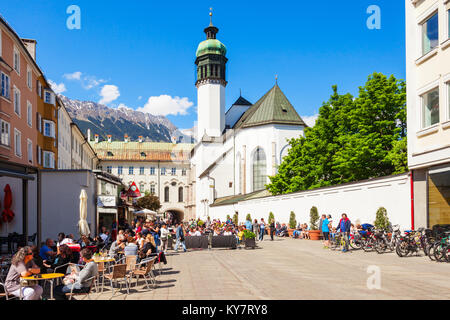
pixel 103 120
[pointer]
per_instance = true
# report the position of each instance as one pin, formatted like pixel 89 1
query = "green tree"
pixel 314 218
pixel 271 217
pixel 292 221
pixel 249 217
pixel 381 219
pixel 353 139
pixel 149 202
pixel 228 217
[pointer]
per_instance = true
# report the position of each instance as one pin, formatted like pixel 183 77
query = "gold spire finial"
pixel 276 79
pixel 210 16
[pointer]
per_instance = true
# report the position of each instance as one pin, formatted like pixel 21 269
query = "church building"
pixel 238 149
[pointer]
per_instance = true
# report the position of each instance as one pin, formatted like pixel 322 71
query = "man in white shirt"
pixel 164 237
pixel 197 233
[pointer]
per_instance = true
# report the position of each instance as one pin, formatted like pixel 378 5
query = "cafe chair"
pixel 5 293
pixel 71 294
pixel 118 274
pixel 146 272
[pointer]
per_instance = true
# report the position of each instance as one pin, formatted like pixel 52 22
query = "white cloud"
pixel 310 120
pixel 140 98
pixel 73 76
pixel 109 93
pixel 166 105
pixel 57 88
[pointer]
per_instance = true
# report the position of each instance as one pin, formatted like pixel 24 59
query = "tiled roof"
pixel 273 107
pixel 142 151
pixel 241 101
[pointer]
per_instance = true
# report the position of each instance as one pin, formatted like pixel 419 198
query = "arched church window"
pixel 166 194
pixel 259 169
pixel 180 194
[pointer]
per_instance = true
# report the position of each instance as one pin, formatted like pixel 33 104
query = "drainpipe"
pixel 411 175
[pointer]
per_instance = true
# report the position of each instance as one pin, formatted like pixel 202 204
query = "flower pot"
pixel 291 232
pixel 250 243
pixel 314 234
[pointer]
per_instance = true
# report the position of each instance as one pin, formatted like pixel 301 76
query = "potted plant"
pixel 314 233
pixel 235 219
pixel 249 239
pixel 271 217
pixel 382 221
pixel 292 224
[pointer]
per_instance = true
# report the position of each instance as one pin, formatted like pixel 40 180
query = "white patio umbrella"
pixel 83 226
pixel 145 211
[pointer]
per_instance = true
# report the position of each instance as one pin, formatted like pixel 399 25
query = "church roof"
pixel 241 101
pixel 272 108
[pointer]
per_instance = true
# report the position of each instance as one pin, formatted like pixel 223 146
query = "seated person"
pixel 85 241
pixel 149 249
pixel 22 265
pixel 116 246
pixel 197 232
pixel 131 248
pixel 46 252
pixel 37 259
pixel 64 257
pixel 78 280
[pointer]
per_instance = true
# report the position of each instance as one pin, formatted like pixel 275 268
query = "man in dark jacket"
pixel 344 226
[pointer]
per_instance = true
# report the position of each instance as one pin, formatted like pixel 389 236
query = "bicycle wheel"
pixel 355 244
pixel 380 246
pixel 368 245
pixel 439 252
pixel 447 253
pixel 402 249
pixel 430 250
pixel 334 243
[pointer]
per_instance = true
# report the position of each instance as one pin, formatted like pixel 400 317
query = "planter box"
pixel 250 243
pixel 314 234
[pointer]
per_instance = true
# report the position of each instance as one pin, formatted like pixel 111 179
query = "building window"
pixel 174 171
pixel 49 129
pixel 5 86
pixel 183 172
pixel 142 187
pixel 152 189
pixel 163 171
pixel 166 194
pixel 152 171
pixel 131 170
pixel 430 108
pixel 259 170
pixel 17 101
pixel 49 97
pixel 49 160
pixel 29 78
pixel 119 170
pixel 17 61
pixel 5 137
pixel 29 114
pixel 430 34
pixel 141 171
pixel 109 169
pixel 18 143
pixel 30 150
pixel 180 194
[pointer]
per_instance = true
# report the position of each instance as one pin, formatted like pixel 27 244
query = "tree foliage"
pixel 353 139
pixel 150 202
pixel 381 219
pixel 271 217
pixel 249 217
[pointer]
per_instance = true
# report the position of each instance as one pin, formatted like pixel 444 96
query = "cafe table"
pixel 47 277
pixel 99 260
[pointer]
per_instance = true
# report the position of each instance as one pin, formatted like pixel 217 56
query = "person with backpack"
pixel 262 228
pixel 344 226
pixel 179 233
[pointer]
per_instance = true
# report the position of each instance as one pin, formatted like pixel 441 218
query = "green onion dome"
pixel 211 46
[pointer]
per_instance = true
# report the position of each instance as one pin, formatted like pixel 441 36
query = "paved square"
pixel 291 269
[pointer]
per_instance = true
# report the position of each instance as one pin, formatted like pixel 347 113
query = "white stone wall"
pixel 211 109
pixel 359 200
pixel 61 201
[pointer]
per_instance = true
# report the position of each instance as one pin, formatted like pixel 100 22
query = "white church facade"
pixel 239 149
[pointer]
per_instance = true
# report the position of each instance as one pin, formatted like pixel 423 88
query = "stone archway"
pixel 176 215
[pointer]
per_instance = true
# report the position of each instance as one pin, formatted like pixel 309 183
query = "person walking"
pixel 164 237
pixel 255 229
pixel 325 231
pixel 344 226
pixel 272 229
pixel 262 228
pixel 180 237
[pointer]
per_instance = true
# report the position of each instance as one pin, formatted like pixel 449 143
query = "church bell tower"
pixel 211 83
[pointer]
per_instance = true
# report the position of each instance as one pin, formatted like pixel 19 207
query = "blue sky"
pixel 146 49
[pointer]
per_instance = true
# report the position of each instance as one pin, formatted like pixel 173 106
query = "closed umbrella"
pixel 83 226
pixel 7 213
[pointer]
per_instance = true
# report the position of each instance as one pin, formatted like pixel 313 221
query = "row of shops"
pixel 38 204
